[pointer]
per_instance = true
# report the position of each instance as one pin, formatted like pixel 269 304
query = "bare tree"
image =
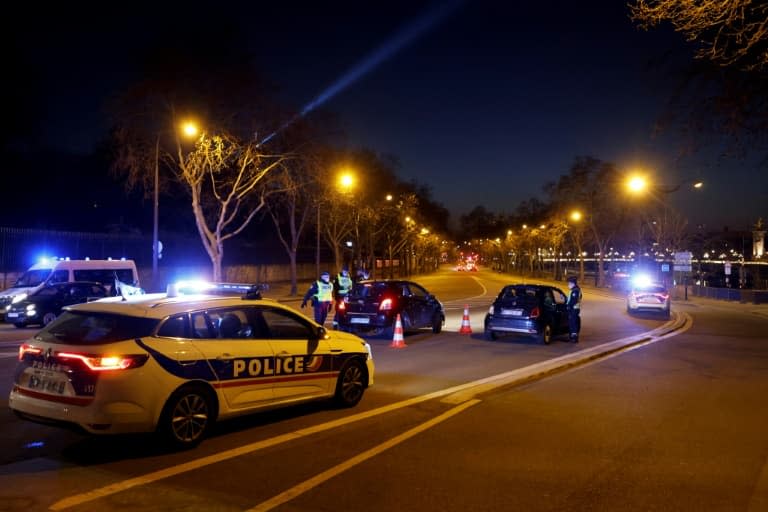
pixel 226 179
pixel 729 33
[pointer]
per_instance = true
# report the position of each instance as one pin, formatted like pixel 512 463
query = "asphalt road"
pixel 676 423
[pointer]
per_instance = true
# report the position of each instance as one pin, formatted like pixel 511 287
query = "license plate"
pixel 47 381
pixel 12 315
pixel 359 320
pixel 512 312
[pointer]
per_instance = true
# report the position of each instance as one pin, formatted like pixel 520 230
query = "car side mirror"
pixel 321 333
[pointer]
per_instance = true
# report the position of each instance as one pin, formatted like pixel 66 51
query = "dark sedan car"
pixel 43 306
pixel 535 310
pixel 372 307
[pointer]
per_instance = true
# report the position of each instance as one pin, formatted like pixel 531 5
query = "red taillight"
pixel 385 305
pixel 535 312
pixel 105 363
pixel 341 306
pixel 664 297
pixel 28 349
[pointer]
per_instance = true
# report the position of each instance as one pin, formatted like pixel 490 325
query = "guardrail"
pixel 731 294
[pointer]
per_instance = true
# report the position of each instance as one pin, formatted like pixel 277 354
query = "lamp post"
pixel 189 129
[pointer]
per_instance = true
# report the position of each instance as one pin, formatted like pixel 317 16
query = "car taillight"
pixel 341 306
pixel 663 296
pixel 385 305
pixel 106 363
pixel 535 312
pixel 24 348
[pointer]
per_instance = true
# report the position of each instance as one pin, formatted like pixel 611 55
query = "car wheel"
pixel 351 384
pixel 187 416
pixel 546 334
pixel 20 325
pixel 48 318
pixel 437 323
pixel 491 335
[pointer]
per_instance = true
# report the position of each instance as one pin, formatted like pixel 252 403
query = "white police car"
pixel 175 364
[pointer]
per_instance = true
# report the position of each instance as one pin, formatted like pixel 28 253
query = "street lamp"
pixel 190 130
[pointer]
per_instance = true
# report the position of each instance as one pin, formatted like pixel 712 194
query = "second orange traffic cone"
pixel 465 327
pixel 397 339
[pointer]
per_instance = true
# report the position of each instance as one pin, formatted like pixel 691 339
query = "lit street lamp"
pixel 190 130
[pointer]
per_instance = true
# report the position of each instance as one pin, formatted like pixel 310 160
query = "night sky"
pixel 487 103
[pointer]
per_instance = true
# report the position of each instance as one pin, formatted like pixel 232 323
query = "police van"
pixel 67 270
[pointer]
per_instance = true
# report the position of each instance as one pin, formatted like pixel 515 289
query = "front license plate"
pixel 512 312
pixel 12 315
pixel 359 320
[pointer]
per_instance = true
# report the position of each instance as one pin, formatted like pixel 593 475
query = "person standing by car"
pixel 342 284
pixel 321 295
pixel 574 309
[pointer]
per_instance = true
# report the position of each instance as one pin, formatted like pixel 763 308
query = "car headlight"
pixel 19 298
pixel 490 310
pixel 31 310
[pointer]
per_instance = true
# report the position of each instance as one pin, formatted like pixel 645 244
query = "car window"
pixel 175 327
pixel 230 323
pixel 548 298
pixel 508 293
pixel 283 325
pixel 59 276
pixel 87 328
pixel 417 291
pixel 560 297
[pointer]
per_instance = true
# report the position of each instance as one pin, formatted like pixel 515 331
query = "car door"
pixel 241 358
pixel 561 309
pixel 418 307
pixel 305 364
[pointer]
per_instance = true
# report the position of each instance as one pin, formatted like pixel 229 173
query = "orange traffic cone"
pixel 397 339
pixel 465 327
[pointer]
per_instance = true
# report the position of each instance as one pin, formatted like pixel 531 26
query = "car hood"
pixel 12 292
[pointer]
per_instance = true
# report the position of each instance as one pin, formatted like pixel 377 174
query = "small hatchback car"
pixel 535 310
pixel 373 306
pixel 176 364
pixel 44 305
pixel 648 297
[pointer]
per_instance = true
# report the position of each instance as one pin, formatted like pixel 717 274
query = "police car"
pixel 174 364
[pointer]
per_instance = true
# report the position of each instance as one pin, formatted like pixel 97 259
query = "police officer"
pixel 321 295
pixel 574 309
pixel 342 285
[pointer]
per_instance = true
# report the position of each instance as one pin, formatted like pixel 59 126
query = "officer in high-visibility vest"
pixel 574 309
pixel 342 285
pixel 321 295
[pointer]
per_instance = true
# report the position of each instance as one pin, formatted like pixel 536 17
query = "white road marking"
pixel 318 479
pixel 462 393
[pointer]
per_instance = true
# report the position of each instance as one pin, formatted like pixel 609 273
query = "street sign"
pixel 682 268
pixel 683 258
pixel 727 268
pixel 665 267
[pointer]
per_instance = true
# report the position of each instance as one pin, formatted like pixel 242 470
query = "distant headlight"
pixel 19 298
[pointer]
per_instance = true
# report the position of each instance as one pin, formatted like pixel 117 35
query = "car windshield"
pixel 33 277
pixel 512 292
pixel 87 328
pixel 651 289
pixel 371 291
pixel 48 291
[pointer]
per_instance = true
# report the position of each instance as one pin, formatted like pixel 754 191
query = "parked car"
pixel 530 309
pixel 176 364
pixel 372 308
pixel 648 297
pixel 44 305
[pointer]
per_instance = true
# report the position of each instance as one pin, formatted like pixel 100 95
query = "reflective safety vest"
pixel 574 299
pixel 345 284
pixel 324 291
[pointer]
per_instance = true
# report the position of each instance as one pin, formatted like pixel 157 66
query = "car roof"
pixel 161 305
